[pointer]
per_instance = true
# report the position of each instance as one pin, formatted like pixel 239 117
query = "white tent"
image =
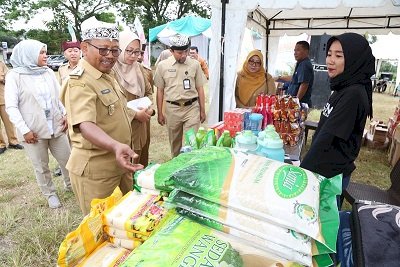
pixel 277 18
pixel 387 47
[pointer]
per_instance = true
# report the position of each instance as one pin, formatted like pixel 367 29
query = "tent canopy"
pixel 189 25
pixel 291 17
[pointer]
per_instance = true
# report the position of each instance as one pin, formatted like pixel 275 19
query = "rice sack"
pixel 182 242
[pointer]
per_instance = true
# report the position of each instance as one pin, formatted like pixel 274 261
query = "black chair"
pixel 309 125
pixel 357 191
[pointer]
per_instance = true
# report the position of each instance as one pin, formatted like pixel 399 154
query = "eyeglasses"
pixel 105 51
pixel 254 63
pixel 131 52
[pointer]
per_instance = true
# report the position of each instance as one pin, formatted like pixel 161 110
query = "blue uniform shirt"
pixel 303 72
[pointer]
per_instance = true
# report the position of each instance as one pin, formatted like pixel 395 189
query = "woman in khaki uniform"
pixel 253 80
pixel 130 76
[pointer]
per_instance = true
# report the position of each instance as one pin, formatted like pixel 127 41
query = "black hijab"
pixel 359 64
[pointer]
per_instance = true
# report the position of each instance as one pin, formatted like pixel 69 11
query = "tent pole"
pixel 222 63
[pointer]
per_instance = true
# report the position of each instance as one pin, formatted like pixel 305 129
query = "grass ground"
pixel 30 232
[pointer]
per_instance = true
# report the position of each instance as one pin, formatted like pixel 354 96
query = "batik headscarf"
pixel 25 55
pixel 249 82
pixel 359 64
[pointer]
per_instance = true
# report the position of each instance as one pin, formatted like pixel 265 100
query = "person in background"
pixel 148 72
pixel 98 119
pixel 337 139
pixel 10 130
pixel 179 81
pixel 253 80
pixel 131 78
pixel 72 52
pixel 148 75
pixel 194 53
pixel 302 80
pixel 33 105
pixel 163 55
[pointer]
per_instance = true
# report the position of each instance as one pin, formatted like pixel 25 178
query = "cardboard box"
pixel 394 151
pixel 392 124
pixel 371 143
pixel 380 134
pixel 378 130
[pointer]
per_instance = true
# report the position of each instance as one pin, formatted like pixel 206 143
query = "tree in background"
pixel 76 10
pixel 11 10
pixel 151 13
pixel 157 12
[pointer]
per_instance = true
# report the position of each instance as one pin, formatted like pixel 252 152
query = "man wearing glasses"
pixel 179 80
pixel 98 121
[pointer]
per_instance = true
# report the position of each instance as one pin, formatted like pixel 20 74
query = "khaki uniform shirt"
pixel 148 75
pixel 3 72
pixel 63 72
pixel 139 133
pixel 170 75
pixel 90 95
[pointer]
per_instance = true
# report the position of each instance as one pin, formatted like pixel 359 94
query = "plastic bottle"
pixel 256 120
pixel 209 139
pixel 225 140
pixel 270 144
pixel 246 141
pixel 201 133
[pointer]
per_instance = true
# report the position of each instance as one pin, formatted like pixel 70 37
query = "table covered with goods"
pixel 283 114
pixel 214 206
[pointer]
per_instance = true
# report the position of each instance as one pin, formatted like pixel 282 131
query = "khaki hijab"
pixel 249 82
pixel 129 76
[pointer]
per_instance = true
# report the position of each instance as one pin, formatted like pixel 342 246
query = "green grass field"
pixel 30 232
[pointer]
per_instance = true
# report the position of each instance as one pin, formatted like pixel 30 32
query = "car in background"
pixel 55 61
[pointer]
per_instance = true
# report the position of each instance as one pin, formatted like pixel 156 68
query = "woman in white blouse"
pixel 32 103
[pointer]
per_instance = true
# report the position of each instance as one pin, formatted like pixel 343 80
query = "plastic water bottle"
pixel 225 139
pixel 270 144
pixel 256 120
pixel 246 141
pixel 200 135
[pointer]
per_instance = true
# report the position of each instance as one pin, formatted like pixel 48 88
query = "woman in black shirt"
pixel 337 140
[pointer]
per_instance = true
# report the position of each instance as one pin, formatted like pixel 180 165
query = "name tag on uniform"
pixel 186 84
pixel 105 91
pixel 172 70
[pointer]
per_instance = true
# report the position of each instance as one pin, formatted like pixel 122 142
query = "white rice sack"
pixel 136 213
pixel 106 255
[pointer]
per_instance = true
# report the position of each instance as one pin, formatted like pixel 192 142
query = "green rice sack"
pixel 181 242
pixel 269 190
pixel 258 242
pixel 230 220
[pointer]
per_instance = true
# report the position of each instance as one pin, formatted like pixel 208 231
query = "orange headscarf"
pixel 249 82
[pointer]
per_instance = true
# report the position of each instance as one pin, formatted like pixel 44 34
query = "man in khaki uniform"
pixel 179 80
pixel 194 53
pixel 10 130
pixel 72 52
pixel 98 121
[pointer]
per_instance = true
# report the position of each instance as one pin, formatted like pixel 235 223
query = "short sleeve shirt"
pixel 171 74
pixel 303 73
pixel 92 96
